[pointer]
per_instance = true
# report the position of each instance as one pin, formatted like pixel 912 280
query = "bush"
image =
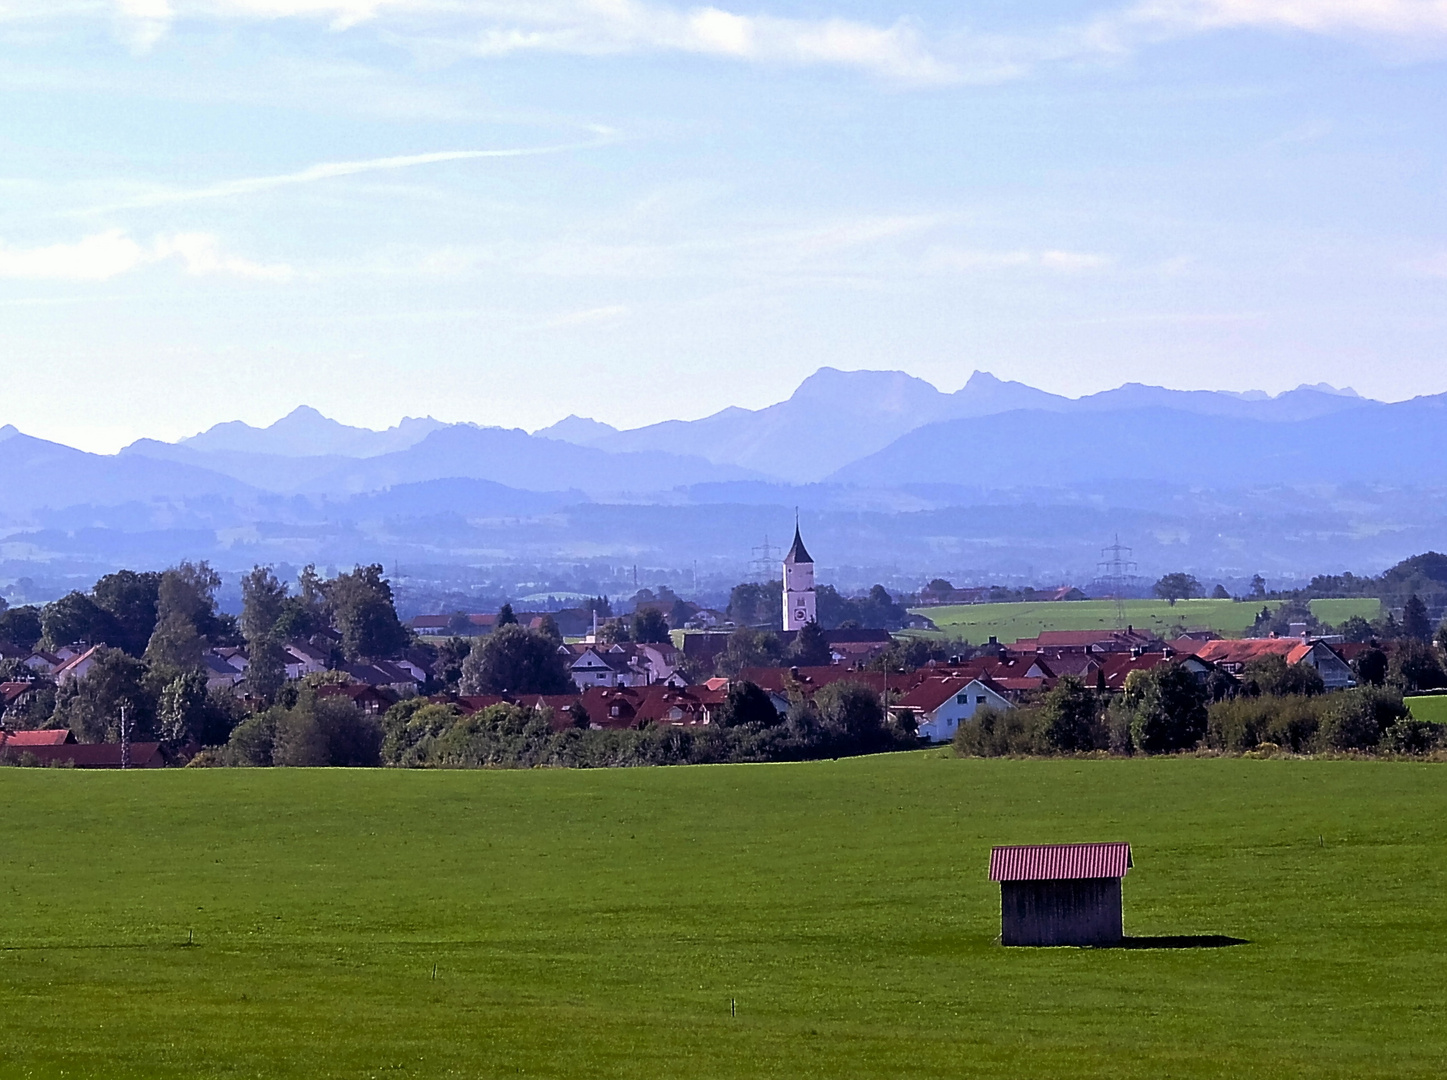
pixel 1358 718
pixel 1070 718
pixel 1244 723
pixel 1413 737
pixel 995 733
pixel 1168 707
pixel 1273 675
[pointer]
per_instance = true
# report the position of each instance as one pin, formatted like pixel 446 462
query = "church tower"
pixel 798 585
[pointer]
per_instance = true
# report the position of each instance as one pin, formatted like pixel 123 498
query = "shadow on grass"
pixel 1180 941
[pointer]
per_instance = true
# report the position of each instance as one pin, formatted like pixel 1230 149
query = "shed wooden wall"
pixel 1085 911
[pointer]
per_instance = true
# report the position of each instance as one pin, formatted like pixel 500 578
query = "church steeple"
pixel 799 598
pixel 798 553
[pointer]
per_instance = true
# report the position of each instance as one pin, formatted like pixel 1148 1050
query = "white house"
pixel 599 665
pixel 78 665
pixel 941 705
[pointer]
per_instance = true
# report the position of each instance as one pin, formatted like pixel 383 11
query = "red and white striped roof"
pixel 1059 862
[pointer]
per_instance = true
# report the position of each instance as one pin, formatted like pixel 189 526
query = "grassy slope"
pixel 595 924
pixel 1429 707
pixel 1008 622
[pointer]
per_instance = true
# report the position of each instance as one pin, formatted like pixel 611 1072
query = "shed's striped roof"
pixel 1055 862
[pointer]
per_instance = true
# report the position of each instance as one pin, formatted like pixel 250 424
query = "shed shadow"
pixel 1179 941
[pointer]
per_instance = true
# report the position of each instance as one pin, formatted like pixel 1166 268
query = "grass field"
pixel 1429 707
pixel 976 623
pixel 597 923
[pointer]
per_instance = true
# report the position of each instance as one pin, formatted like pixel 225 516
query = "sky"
pixel 506 211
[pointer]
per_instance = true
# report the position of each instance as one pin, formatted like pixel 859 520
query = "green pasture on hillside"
pixel 288 923
pixel 1429 707
pixel 977 623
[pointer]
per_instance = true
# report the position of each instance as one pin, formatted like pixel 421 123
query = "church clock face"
pixel 800 613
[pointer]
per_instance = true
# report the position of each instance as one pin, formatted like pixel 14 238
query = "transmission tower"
pixel 764 565
pixel 1116 569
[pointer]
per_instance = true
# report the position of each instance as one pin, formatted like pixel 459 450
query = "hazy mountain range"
pixel 996 478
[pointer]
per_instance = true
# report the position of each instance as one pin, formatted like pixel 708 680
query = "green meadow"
pixel 554 923
pixel 977 623
pixel 1429 707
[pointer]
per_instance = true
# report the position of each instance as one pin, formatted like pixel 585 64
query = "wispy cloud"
pixel 109 254
pixel 897 51
pixel 1393 18
pixel 330 171
pixel 903 51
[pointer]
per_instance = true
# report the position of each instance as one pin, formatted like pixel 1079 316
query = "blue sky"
pixel 509 211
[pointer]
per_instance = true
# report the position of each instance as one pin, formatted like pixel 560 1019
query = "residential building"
pixel 941 705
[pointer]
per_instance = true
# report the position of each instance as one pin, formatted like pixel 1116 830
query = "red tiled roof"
pixel 932 693
pixel 1245 650
pixel 55 737
pixel 1059 862
pixel 9 691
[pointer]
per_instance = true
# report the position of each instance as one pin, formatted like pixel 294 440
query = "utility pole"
pixel 125 740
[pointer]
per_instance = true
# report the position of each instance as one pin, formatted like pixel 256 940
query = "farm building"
pixel 1060 894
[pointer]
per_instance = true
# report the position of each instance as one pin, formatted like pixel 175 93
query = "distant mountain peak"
pixel 307 432
pixel 9 431
pixel 578 430
pixel 1328 388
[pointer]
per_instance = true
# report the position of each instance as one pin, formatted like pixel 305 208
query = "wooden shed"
pixel 1060 894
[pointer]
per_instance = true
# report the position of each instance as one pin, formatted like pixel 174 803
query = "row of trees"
pixel 1168 709
pixel 761 605
pixel 842 719
pixel 157 627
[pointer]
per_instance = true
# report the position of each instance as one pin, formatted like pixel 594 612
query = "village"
pixel 621 675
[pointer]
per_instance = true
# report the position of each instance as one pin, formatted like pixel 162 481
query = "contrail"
pixel 330 170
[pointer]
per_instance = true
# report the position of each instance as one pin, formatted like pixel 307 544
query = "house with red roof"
pixel 940 705
pixel 1234 655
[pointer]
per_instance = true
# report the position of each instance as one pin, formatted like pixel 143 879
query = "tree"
pixel 447 667
pixel 186 712
pixel 1371 667
pixel 132 599
pixel 1069 715
pixel 852 715
pixel 91 705
pixel 548 627
pixel 263 603
pixel 185 612
pixel 1177 586
pixel 1272 675
pixel 1220 593
pixel 505 616
pixel 304 613
pixel 811 647
pixel 1258 586
pixel 748 648
pixel 758 605
pixel 1357 629
pixel 1415 666
pixel 649 625
pixel 1415 623
pixel 20 626
pixel 746 703
pixel 326 730
pixel 1167 705
pixel 879 611
pixel 515 660
pixel 75 617
pixel 364 615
